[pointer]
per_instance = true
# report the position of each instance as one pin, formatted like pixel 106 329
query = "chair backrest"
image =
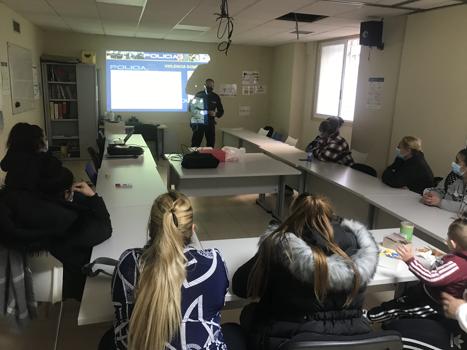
pixel 270 130
pixel 263 132
pixel 94 157
pixel 381 340
pixel 91 172
pixel 359 157
pixel 47 277
pixel 277 136
pixel 291 141
pixel 365 169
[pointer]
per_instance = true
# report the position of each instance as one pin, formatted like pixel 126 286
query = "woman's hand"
pixel 83 188
pixel 450 305
pixel 431 199
pixel 405 251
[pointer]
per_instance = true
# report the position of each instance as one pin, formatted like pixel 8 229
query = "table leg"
pixel 157 144
pixel 240 143
pixel 302 182
pixel 163 143
pixel 371 216
pixel 280 198
pixel 223 138
pixel 169 178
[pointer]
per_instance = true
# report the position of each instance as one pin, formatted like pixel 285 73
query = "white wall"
pixel 223 69
pixel 30 38
pixel 372 129
pixel 432 95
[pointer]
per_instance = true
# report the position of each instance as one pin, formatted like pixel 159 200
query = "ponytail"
pixel 156 315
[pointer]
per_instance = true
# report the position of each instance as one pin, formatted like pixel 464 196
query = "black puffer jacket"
pixel 28 171
pixel 290 307
pixel 413 173
pixel 32 222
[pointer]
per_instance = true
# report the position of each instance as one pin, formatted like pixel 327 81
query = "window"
pixel 337 79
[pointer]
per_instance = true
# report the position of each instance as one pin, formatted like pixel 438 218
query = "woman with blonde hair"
pixel 309 274
pixel 409 169
pixel 168 295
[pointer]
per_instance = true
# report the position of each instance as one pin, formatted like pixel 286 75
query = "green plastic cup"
pixel 407 230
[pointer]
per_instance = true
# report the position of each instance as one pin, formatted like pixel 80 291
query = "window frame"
pixel 321 44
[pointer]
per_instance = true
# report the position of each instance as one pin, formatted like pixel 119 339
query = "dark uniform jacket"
pixel 212 101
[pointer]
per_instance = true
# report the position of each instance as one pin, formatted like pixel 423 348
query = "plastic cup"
pixel 407 230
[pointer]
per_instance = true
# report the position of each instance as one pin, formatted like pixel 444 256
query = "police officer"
pixel 213 106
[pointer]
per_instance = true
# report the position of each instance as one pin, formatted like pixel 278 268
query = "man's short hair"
pixel 208 80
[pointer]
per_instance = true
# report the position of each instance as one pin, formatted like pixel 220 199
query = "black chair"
pixel 365 169
pixel 380 340
pixel 94 157
pixel 91 172
pixel 270 130
pixel 150 132
pixel 437 180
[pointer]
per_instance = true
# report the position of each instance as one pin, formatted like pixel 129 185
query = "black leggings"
pixel 429 334
pixel 233 338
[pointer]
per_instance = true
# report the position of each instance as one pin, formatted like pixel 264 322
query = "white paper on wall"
pixel 244 111
pixel 248 90
pixel 375 93
pixel 250 77
pixel 5 78
pixel 228 90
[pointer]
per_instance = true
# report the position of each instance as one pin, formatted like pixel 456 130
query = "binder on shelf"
pixel 56 110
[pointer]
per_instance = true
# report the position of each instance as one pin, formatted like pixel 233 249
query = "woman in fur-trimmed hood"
pixel 309 274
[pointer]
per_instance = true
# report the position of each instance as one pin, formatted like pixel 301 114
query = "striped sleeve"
pixel 440 276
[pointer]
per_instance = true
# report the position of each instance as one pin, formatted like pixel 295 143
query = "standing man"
pixel 208 104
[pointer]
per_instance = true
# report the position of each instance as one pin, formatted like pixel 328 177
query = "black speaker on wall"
pixel 371 34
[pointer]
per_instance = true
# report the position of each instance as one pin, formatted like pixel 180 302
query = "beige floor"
pixel 215 218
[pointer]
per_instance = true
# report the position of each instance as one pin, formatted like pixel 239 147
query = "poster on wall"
pixel 260 89
pixel 250 77
pixel 244 111
pixel 35 83
pixel 375 93
pixel 5 78
pixel 228 90
pixel 248 90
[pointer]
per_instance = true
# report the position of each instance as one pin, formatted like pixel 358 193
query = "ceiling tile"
pixel 121 13
pixel 84 25
pixel 75 9
pixel 36 6
pixel 368 12
pixel 139 3
pixel 390 2
pixel 46 21
pixel 330 8
pixel 266 10
pixel 429 4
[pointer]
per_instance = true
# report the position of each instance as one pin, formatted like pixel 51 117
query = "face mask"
pixel 398 153
pixel 456 169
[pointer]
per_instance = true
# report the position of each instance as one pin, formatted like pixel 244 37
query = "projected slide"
pixel 149 81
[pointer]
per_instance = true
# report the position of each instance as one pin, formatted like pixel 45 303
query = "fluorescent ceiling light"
pixel 139 3
pixel 193 28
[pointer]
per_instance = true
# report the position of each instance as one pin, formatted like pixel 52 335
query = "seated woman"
pixel 27 161
pixel 310 275
pixel 410 168
pixel 329 146
pixel 451 193
pixel 67 225
pixel 168 295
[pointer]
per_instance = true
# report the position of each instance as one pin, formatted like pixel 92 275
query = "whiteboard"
pixel 21 79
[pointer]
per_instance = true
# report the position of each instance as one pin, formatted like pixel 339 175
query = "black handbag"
pixel 196 160
pixel 124 151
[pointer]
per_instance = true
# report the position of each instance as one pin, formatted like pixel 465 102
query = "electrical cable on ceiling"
pixel 226 27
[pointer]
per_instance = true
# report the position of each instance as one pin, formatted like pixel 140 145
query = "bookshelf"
pixel 70 108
